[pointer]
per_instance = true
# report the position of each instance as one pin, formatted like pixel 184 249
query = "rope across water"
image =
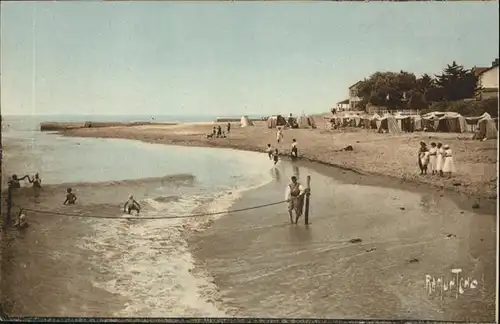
pixel 151 217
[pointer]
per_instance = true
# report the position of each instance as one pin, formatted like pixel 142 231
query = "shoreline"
pixel 482 185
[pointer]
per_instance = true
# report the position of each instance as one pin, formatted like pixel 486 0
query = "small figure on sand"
pixel 70 197
pixel 269 151
pixel 131 204
pixel 433 158
pixel 228 128
pixel 22 221
pixel 295 196
pixel 448 165
pixel 295 152
pixel 421 157
pixel 279 134
pixel 424 159
pixel 219 131
pixel 275 156
pixel 440 159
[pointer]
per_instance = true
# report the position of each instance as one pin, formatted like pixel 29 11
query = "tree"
pixel 388 89
pixel 457 83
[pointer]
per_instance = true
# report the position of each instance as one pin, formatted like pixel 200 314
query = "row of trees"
pixel 404 90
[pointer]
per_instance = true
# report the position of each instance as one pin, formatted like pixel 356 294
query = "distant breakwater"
pixel 60 126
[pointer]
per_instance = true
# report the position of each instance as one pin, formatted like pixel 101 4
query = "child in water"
pixel 131 204
pixel 269 151
pixel 70 197
pixel 275 156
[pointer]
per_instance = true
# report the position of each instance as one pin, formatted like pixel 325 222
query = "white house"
pixel 488 81
pixel 353 96
pixel 343 105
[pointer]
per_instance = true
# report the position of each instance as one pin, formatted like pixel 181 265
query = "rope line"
pixel 153 217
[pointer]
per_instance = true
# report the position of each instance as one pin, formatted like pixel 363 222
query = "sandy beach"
pixel 373 153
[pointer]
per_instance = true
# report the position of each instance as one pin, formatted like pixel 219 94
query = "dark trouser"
pixel 130 208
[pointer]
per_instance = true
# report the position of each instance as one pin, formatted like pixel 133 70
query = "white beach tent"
pixel 244 122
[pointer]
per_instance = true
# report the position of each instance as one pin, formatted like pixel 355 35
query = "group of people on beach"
pixel 438 158
pixel 217 131
pixel 273 153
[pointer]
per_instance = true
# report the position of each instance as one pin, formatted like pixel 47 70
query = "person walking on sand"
pixel 275 156
pixel 70 197
pixel 279 134
pixel 131 204
pixel 433 158
pixel 228 128
pixel 269 151
pixel 421 151
pixel 439 159
pixel 219 131
pixel 294 153
pixel 294 195
pixel 448 164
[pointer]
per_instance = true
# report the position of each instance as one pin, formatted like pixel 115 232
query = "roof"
pixel 355 84
pixel 343 102
pixel 482 70
pixel 477 70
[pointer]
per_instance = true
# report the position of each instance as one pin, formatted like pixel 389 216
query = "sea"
pixel 368 253
pixel 168 181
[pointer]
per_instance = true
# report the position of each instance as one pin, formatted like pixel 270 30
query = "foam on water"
pixel 149 261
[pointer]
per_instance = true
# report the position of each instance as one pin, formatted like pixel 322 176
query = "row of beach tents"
pixel 484 126
pixel 303 121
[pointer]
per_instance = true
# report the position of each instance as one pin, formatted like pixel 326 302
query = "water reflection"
pixel 276 174
pixel 296 171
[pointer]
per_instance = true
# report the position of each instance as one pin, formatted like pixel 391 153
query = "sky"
pixel 224 58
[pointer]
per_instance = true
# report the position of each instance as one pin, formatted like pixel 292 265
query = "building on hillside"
pixel 343 105
pixel 487 80
pixel 353 96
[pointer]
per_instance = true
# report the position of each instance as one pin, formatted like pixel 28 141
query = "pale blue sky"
pixel 225 58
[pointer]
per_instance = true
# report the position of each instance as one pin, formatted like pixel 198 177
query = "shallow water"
pixel 266 267
pixel 145 265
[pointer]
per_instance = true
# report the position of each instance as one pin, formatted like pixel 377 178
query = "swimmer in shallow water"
pixel 131 204
pixel 70 197
pixel 23 220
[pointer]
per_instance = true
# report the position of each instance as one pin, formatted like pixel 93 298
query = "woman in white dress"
pixel 439 159
pixel 448 165
pixel 433 158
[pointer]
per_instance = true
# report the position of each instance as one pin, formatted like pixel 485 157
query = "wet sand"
pixel 266 267
pixel 380 154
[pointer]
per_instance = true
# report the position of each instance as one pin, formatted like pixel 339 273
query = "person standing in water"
pixel 269 151
pixel 131 204
pixel 294 194
pixel 295 152
pixel 70 197
pixel 275 156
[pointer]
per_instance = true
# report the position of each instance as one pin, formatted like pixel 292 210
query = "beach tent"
pixel 487 128
pixel 275 121
pixel 388 124
pixel 305 121
pixel 244 122
pixel 451 124
pixel 374 124
pixel 417 123
pixel 405 123
pixel 471 123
